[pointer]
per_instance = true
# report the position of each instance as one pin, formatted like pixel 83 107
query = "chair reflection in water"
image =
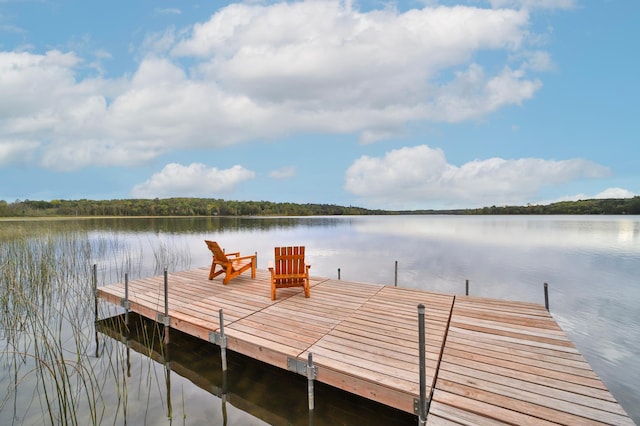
pixel 289 270
pixel 231 264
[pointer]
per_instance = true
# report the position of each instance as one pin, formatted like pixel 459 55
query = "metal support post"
pixel 126 301
pixel 396 275
pixel 167 358
pixel 422 411
pixel 546 296
pixel 223 343
pixel 310 378
pixel 95 300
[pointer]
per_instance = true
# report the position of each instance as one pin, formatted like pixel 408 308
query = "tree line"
pixel 171 207
pixel 219 207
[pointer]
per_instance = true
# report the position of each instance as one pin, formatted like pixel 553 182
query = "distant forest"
pixel 219 207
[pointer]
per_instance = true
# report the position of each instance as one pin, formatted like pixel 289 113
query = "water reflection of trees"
pixel 175 225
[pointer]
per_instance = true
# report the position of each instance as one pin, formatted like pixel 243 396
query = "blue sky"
pixel 392 105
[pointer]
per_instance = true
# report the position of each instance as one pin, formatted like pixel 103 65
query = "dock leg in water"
pixel 166 340
pixel 95 297
pixel 311 375
pixel 223 359
pixel 422 420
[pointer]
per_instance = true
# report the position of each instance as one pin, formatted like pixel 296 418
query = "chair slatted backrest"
pixel 217 251
pixel 289 260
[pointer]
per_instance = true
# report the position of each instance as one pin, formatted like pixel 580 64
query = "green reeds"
pixel 43 286
pixel 47 325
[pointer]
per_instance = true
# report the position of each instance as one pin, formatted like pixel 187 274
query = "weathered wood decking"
pixel 491 361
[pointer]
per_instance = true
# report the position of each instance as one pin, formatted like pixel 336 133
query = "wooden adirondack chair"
pixel 231 264
pixel 290 270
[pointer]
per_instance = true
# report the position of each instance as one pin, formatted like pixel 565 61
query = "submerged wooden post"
pixel 546 296
pixel 422 410
pixel 467 287
pixel 396 275
pixel 95 302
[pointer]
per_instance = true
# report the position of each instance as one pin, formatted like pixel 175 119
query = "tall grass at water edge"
pixel 47 345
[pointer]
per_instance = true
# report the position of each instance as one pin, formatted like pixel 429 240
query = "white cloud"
pixel 16 151
pixel 615 193
pixel 420 177
pixel 261 72
pixel 322 56
pixel 538 61
pixel 607 193
pixel 471 94
pixel 194 180
pixel 283 172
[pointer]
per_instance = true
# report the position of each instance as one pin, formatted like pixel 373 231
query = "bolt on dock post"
pixel 422 409
pixel 95 303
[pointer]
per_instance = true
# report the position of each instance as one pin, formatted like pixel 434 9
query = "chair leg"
pixel 212 271
pixel 227 276
pixel 273 287
pixel 253 267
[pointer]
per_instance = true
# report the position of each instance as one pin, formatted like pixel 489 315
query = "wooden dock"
pixel 487 361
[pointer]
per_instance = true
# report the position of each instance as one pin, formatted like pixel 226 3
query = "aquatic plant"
pixel 47 334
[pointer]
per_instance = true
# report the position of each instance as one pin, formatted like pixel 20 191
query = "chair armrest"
pixel 242 258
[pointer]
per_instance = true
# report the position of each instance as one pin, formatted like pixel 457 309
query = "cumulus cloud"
pixel 16 152
pixel 615 193
pixel 194 180
pixel 322 56
pixel 264 71
pixel 418 177
pixel 607 193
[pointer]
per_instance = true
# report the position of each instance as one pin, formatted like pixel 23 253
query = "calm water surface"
pixel 591 264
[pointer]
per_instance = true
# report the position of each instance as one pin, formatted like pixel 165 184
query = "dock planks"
pixel 492 361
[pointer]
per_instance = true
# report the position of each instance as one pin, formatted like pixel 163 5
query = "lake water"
pixel 591 264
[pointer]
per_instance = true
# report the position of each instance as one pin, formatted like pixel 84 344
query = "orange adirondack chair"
pixel 231 264
pixel 290 270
